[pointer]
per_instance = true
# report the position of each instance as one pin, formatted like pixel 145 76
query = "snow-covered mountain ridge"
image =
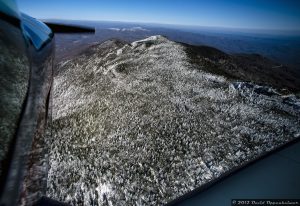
pixel 146 122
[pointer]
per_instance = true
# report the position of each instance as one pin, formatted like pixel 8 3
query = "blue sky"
pixel 250 14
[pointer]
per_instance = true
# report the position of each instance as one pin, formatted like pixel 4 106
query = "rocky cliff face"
pixel 143 123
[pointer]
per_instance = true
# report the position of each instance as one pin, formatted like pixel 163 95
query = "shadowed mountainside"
pixel 245 67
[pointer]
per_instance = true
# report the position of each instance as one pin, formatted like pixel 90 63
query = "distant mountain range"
pixel 281 47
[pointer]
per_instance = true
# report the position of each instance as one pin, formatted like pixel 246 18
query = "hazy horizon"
pixel 197 28
pixel 233 14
